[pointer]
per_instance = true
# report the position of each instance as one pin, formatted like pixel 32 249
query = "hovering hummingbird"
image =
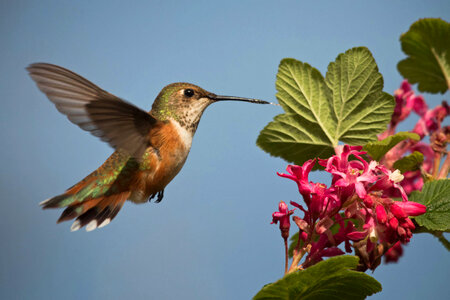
pixel 150 147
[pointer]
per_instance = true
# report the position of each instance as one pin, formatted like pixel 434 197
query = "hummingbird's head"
pixel 185 103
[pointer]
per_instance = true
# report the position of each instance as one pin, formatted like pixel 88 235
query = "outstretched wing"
pixel 115 121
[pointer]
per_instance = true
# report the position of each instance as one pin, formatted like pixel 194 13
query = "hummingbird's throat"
pixel 188 114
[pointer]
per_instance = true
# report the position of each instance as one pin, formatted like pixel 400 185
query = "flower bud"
pixel 393 223
pixel 397 211
pixel 283 215
pixel 381 214
pixel 412 208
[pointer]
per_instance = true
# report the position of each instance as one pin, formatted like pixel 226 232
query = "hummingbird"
pixel 150 147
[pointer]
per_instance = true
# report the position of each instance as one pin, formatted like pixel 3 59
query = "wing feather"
pixel 113 120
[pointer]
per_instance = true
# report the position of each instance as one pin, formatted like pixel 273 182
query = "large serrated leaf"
pixel 333 278
pixel 435 196
pixel 427 43
pixel 377 149
pixel 361 108
pixel 348 105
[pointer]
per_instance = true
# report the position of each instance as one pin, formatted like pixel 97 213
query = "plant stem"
pixel 445 167
pixel 296 260
pixel 286 256
pixel 437 162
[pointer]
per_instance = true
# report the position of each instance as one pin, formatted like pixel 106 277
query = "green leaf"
pixel 427 43
pixel 411 162
pixel 348 106
pixel 435 196
pixel 378 149
pixel 331 279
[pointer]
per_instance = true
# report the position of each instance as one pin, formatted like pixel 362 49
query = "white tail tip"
pixel 75 226
pixel 104 223
pixel 45 201
pixel 91 226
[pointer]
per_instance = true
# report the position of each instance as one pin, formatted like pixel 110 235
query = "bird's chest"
pixel 174 148
pixel 162 162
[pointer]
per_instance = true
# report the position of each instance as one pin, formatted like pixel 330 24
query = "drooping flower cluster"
pixel 354 211
pixel 429 124
pixel 358 212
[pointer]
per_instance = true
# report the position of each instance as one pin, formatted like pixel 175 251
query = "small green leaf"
pixel 348 106
pixel 427 43
pixel 411 162
pixel 435 195
pixel 333 278
pixel 378 149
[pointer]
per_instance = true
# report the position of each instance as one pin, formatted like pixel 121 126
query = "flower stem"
pixel 445 167
pixel 437 162
pixel 286 256
pixel 295 261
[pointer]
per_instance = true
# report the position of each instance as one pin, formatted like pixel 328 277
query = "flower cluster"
pixel 354 211
pixel 358 211
pixel 429 124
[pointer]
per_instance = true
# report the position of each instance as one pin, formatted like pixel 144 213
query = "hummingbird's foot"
pixel 151 197
pixel 159 196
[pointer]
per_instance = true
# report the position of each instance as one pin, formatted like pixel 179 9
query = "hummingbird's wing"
pixel 115 121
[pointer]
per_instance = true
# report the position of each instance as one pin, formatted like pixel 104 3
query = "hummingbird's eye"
pixel 189 92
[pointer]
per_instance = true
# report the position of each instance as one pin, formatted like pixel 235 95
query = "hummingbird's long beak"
pixel 231 98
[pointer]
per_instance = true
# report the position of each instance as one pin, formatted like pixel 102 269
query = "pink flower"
pixel 391 179
pixel 355 209
pixel 381 214
pixel 370 229
pixel 339 162
pixel 357 235
pixel 394 253
pixel 283 215
pixel 353 177
pixel 431 120
pixel 319 250
pixel 406 101
pixel 300 176
pixel 393 223
pixel 412 208
pixel 341 235
pixel 320 200
pixel 398 212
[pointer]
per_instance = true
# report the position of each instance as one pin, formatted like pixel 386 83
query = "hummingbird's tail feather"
pixel 92 202
pixel 95 213
pixel 92 213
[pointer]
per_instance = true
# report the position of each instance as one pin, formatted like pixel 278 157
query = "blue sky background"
pixel 210 237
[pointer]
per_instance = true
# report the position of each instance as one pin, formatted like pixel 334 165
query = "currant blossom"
pixel 300 176
pixel 354 210
pixel 391 179
pixel 283 216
